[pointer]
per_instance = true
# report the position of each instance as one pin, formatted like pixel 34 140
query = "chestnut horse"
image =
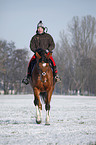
pixel 42 84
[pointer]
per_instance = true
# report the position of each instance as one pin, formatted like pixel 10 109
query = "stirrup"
pixel 57 78
pixel 25 80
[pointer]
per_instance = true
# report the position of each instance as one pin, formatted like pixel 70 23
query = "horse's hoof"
pixel 47 123
pixel 38 122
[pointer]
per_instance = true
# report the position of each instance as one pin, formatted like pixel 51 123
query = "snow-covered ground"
pixel 72 121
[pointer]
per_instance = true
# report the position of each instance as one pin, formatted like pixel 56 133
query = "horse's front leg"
pixel 47 118
pixel 47 107
pixel 38 106
pixel 38 115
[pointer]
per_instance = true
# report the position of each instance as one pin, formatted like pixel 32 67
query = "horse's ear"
pixel 37 55
pixel 48 56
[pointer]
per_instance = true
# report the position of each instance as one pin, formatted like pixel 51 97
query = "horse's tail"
pixel 43 96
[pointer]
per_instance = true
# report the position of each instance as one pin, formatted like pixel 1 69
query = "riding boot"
pixel 26 80
pixel 55 74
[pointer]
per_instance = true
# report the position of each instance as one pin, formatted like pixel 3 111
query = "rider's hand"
pixel 47 51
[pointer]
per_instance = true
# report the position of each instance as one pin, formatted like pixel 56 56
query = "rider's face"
pixel 40 30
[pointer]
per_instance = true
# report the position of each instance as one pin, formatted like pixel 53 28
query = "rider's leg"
pixel 53 66
pixel 55 72
pixel 30 67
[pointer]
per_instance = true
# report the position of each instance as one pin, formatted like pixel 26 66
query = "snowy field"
pixel 72 121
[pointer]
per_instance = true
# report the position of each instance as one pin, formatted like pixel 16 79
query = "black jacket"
pixel 44 41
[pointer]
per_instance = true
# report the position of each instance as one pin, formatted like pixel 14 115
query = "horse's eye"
pixel 44 64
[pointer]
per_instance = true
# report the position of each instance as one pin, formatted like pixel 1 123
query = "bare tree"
pixel 19 68
pixel 6 54
pixel 13 67
pixel 77 55
pixel 83 34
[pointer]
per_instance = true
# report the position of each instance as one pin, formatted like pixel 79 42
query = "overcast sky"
pixel 19 18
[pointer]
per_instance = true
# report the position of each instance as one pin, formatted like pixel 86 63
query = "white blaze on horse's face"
pixel 44 64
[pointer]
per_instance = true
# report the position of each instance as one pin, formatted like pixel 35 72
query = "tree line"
pixel 75 56
pixel 13 67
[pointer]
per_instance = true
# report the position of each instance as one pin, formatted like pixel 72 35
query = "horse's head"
pixel 43 61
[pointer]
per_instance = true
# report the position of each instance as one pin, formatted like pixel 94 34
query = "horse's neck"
pixel 37 67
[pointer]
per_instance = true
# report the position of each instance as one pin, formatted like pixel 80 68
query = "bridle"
pixel 44 60
pixel 43 73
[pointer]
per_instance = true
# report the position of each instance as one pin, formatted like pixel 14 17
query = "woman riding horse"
pixel 45 41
